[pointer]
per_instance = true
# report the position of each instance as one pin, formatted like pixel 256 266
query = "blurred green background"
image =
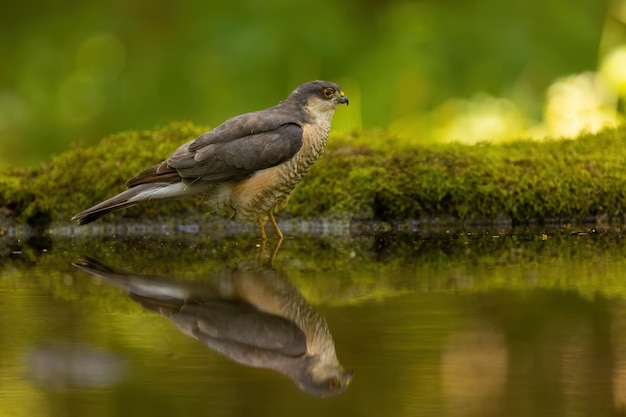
pixel 74 71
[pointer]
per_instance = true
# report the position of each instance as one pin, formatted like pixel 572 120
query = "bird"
pixel 253 315
pixel 247 167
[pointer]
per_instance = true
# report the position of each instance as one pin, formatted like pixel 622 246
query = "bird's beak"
pixel 343 98
pixel 350 373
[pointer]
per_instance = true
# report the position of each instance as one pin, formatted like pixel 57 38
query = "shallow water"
pixel 518 323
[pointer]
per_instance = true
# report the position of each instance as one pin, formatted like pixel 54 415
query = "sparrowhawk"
pixel 244 168
pixel 253 315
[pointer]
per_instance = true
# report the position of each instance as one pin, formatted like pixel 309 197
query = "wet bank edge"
pixel 217 228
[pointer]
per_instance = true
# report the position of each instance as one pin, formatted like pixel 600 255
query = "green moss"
pixel 519 181
pixel 363 175
pixel 83 176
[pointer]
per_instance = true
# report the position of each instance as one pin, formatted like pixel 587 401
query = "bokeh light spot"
pixel 580 102
pixel 79 100
pixel 101 58
pixel 613 69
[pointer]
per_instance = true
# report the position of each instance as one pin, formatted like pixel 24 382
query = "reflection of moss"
pixel 342 272
pixel 365 175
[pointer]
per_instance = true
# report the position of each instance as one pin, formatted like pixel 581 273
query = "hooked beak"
pixel 343 98
pixel 350 373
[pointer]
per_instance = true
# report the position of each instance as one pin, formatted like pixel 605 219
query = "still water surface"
pixel 481 324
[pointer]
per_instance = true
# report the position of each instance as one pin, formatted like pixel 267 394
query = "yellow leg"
pixel 261 256
pixel 279 234
pixel 270 262
pixel 259 221
pixel 261 252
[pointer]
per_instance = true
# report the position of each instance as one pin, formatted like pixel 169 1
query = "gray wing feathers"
pixel 241 323
pixel 239 155
pixel 241 126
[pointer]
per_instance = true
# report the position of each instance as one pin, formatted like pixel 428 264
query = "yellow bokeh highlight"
pixel 574 103
pixel 481 118
pixel 613 69
pixel 581 102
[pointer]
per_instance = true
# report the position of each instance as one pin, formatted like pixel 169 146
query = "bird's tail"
pixel 137 194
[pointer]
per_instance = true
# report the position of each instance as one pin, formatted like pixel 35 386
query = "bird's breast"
pixel 268 188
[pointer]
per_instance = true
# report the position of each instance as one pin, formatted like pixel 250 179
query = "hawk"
pixel 254 316
pixel 246 167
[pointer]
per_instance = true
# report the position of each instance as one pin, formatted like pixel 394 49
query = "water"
pixel 522 323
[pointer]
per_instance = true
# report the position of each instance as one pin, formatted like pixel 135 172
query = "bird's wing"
pixel 243 125
pixel 239 147
pixel 160 172
pixel 241 323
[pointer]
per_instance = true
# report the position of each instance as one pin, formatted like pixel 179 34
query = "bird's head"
pixel 319 97
pixel 325 378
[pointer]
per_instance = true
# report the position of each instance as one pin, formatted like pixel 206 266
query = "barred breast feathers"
pixel 269 187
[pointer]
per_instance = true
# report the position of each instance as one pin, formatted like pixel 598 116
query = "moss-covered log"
pixel 362 175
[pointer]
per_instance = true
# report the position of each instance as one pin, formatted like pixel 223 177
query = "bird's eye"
pixel 333 383
pixel 328 92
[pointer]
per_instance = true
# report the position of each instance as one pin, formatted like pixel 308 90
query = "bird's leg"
pixel 261 256
pixel 274 252
pixel 279 234
pixel 259 221
pixel 261 253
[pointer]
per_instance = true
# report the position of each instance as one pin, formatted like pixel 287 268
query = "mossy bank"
pixel 362 176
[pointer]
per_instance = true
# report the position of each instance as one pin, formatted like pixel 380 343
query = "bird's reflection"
pixel 251 314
